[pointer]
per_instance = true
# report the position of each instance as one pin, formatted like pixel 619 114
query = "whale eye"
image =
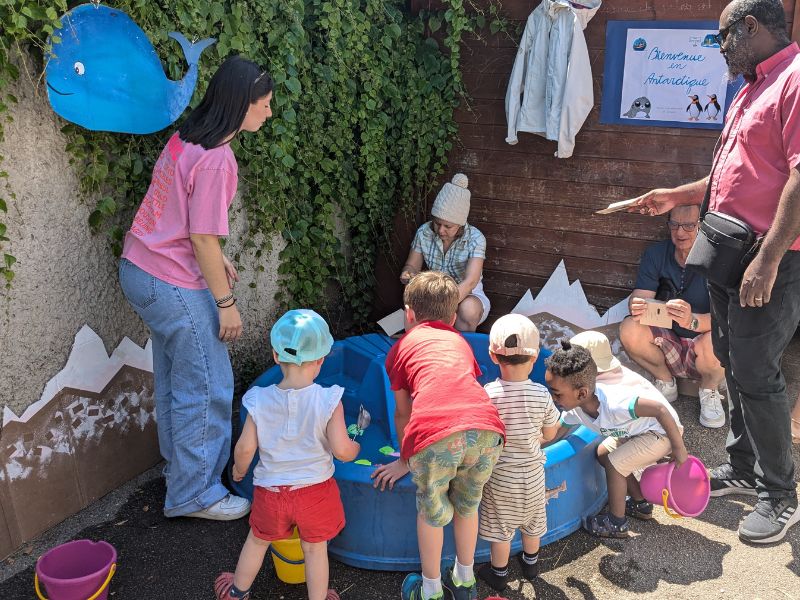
pixel 79 68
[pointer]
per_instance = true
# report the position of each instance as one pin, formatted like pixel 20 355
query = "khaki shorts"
pixel 451 473
pixel 628 455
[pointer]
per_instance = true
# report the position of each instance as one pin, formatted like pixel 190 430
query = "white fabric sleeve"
pixel 516 85
pixel 569 417
pixel 250 400
pixel 622 408
pixel 578 93
pixel 334 395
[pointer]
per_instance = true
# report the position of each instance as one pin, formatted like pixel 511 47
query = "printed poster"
pixel 657 74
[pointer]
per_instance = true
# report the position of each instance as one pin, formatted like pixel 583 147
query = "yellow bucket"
pixel 287 555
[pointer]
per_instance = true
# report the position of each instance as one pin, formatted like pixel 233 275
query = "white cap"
pixel 599 347
pixel 514 334
pixel 452 201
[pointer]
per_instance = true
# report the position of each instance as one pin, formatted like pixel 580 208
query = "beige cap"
pixel 514 334
pixel 599 347
pixel 452 201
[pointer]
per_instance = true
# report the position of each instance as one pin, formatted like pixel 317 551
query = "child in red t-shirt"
pixel 450 433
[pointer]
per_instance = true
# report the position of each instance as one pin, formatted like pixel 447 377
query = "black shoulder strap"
pixel 707 196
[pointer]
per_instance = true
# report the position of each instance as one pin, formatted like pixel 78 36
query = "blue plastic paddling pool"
pixel 381 526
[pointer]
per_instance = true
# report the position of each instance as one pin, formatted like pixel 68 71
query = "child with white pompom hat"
pixel 449 244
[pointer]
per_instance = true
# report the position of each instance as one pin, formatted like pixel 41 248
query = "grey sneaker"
pixel 712 415
pixel 229 508
pixel 668 388
pixel 770 520
pixel 726 480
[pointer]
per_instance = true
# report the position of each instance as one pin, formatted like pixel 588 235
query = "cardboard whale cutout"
pixel 105 75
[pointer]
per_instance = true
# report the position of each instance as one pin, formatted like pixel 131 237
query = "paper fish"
pixel 105 75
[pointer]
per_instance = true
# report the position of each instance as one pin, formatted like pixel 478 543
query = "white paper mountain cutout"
pixel 88 368
pixel 568 302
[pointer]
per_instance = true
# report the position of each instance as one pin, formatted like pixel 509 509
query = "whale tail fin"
pixel 191 51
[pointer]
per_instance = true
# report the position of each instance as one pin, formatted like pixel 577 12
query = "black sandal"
pixel 638 509
pixel 601 526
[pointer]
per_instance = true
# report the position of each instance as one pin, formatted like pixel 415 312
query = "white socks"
pixel 431 587
pixel 463 573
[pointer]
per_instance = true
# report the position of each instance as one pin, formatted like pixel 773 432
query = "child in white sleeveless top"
pixel 298 427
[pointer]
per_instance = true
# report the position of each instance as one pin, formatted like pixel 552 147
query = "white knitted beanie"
pixel 452 202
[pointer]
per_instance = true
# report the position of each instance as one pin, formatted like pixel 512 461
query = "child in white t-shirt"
pixel 514 496
pixel 639 432
pixel 298 427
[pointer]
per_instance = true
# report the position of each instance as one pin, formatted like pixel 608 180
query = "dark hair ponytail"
pixel 237 83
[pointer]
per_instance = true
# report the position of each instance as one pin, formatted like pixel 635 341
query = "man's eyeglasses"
pixel 723 33
pixel 687 227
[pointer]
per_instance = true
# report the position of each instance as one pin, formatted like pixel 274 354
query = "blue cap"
pixel 300 336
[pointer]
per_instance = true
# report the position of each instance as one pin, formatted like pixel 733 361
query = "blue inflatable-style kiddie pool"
pixel 381 526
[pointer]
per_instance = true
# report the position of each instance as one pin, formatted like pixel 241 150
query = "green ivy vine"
pixel 363 124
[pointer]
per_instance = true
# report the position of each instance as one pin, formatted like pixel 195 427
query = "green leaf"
pixel 293 85
pixel 95 218
pixel 9 260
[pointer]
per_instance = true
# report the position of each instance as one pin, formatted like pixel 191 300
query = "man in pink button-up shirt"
pixel 755 178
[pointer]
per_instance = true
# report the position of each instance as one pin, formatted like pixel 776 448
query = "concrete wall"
pixel 66 277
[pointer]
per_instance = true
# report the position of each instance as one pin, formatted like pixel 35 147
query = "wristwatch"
pixel 694 324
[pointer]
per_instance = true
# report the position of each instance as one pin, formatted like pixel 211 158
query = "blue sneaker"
pixel 463 591
pixel 412 589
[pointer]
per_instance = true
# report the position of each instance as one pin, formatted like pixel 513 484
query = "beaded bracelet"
pixel 224 299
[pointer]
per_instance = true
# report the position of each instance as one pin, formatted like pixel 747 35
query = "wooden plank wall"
pixel 535 209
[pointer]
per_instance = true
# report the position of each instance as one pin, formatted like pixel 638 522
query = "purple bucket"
pixel 79 570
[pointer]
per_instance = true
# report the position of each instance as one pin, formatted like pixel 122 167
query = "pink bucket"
pixel 685 490
pixel 79 570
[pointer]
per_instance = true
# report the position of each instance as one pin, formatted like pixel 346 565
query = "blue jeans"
pixel 193 387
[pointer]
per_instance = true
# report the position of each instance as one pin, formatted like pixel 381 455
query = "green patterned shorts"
pixel 451 473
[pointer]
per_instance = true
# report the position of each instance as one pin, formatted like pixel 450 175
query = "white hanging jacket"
pixel 551 91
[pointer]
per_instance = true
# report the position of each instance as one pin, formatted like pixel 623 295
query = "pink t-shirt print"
pixel 191 191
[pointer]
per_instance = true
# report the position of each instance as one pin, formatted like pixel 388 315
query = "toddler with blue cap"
pixel 298 427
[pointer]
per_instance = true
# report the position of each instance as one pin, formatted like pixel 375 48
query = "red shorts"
pixel 316 511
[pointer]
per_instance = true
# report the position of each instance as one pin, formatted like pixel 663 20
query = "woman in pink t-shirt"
pixel 175 276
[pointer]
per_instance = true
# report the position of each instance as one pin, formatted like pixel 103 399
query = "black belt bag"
pixel 724 248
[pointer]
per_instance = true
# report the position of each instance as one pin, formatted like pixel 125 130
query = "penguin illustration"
pixel 641 104
pixel 694 109
pixel 712 108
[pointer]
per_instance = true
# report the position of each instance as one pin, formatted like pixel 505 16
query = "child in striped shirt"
pixel 514 497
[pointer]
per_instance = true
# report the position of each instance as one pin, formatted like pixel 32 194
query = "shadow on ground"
pixel 179 558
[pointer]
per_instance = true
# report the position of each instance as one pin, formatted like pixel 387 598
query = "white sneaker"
pixel 229 508
pixel 712 414
pixel 668 388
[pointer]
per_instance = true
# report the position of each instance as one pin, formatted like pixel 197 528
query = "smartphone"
pixel 656 314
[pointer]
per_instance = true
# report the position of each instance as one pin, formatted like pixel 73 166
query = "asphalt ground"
pixel 178 559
